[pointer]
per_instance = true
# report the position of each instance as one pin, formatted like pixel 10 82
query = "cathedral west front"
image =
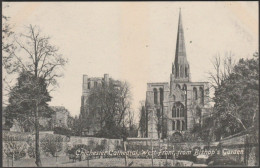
pixel 176 107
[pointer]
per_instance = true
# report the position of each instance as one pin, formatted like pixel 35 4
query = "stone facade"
pixel 60 116
pixel 180 103
pixel 85 114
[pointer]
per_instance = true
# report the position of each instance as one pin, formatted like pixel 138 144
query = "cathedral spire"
pixel 180 68
pixel 180 44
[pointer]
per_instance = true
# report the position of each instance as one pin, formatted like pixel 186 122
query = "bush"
pixel 62 131
pixel 31 151
pixel 51 144
pixel 31 147
pixel 71 152
pixel 14 149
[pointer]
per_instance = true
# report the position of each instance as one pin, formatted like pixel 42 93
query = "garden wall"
pixel 27 141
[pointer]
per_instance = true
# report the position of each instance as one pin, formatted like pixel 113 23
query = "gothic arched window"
pixel 173 125
pixel 182 112
pixel 161 96
pixel 201 95
pixel 155 97
pixel 186 72
pixel 178 125
pixel 183 125
pixel 184 88
pixel 174 111
pixel 195 93
pixel 177 71
pixel 181 71
pixel 178 110
pixel 88 85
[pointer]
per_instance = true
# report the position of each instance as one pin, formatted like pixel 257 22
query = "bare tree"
pixel 223 67
pixel 108 105
pixel 34 54
pixel 7 48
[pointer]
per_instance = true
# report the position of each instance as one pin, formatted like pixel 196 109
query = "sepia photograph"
pixel 130 84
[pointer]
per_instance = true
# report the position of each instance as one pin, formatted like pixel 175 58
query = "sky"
pixel 135 41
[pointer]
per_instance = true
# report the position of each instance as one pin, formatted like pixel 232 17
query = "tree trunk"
pixel 37 138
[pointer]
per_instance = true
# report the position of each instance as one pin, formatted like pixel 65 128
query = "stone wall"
pixel 25 139
pixel 243 149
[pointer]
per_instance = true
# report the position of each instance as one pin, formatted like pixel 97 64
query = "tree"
pixel 237 99
pixel 7 45
pixel 13 148
pixel 71 121
pixel 107 107
pixel 35 54
pixel 77 126
pixel 143 120
pixel 222 69
pixel 21 99
pixel 7 48
pixel 52 144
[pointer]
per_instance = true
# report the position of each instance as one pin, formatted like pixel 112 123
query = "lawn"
pixel 106 162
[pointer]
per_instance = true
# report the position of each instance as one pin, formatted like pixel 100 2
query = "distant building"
pixel 58 119
pixel 60 116
pixel 179 104
pixel 92 125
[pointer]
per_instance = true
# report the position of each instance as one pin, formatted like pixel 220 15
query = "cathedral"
pixel 175 107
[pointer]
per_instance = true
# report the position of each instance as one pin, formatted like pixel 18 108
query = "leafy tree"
pixel 52 144
pixel 142 121
pixel 36 55
pixel 22 98
pixel 31 147
pixel 237 99
pixel 14 149
pixel 62 131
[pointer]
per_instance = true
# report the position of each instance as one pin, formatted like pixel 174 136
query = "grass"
pixel 64 161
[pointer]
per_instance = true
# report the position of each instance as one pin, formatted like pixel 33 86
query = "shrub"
pixel 31 151
pixel 72 151
pixel 14 149
pixel 91 144
pixel 31 147
pixel 62 131
pixel 51 144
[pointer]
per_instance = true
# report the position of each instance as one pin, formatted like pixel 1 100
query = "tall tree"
pixel 35 54
pixel 143 120
pixel 237 98
pixel 7 48
pixel 222 68
pixel 107 107
pixel 21 99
